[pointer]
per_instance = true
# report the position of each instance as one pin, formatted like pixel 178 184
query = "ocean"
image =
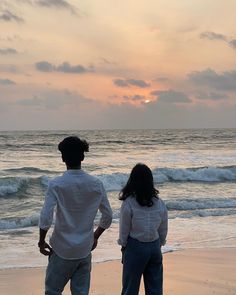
pixel 194 170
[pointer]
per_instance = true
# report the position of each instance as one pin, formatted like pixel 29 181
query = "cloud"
pixel 53 99
pixel 8 16
pixel 6 51
pixel 128 82
pixel 168 115
pixel 46 108
pixel 210 95
pixel 138 83
pixel 53 3
pixel 107 61
pixel 6 82
pixel 135 97
pixel 120 83
pixel 65 67
pixel 213 36
pixel 15 38
pixel 171 96
pixel 58 4
pixel 61 4
pixel 9 68
pixel 232 43
pixel 44 66
pixel 225 81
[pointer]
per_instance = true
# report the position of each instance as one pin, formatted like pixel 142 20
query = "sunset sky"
pixel 100 64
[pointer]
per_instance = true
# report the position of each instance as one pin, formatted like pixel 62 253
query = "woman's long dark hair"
pixel 140 185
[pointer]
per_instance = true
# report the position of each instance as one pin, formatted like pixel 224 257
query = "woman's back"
pixel 146 221
pixel 143 223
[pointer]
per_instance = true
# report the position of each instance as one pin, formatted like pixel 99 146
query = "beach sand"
pixel 188 272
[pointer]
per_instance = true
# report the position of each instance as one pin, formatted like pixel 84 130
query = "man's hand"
pixel 45 249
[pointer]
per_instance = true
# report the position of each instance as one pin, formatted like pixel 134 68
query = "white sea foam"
pixel 45 180
pixel 19 222
pixel 204 174
pixel 202 213
pixel 11 185
pixel 192 204
pixel 115 181
pixel 178 208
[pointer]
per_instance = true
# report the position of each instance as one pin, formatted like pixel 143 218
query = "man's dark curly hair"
pixel 72 149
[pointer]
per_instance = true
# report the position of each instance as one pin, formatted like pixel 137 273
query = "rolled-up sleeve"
pixel 163 228
pixel 105 209
pixel 46 215
pixel 125 223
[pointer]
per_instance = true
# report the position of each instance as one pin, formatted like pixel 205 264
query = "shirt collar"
pixel 73 172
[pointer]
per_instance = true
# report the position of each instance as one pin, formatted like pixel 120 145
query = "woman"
pixel 143 230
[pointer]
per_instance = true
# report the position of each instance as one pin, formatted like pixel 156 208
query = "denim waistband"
pixel 136 240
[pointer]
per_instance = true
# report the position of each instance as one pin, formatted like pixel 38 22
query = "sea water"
pixel 194 170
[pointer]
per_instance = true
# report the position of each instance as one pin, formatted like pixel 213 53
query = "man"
pixel 77 197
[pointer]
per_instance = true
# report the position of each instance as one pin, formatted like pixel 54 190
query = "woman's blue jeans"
pixel 60 271
pixel 145 259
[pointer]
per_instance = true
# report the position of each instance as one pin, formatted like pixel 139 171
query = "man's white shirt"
pixel 77 197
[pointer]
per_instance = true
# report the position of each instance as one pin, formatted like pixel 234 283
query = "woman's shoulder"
pixel 160 203
pixel 131 202
pixel 158 199
pixel 127 201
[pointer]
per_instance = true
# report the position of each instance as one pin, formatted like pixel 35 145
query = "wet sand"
pixel 189 272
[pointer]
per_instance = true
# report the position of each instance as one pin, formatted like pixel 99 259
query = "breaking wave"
pixel 115 181
pixel 19 222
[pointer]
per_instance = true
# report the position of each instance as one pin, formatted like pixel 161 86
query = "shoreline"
pixel 195 271
pixel 171 251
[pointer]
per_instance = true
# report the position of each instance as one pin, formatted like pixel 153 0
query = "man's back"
pixel 77 196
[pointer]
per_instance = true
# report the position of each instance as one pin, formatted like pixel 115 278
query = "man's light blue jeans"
pixel 60 271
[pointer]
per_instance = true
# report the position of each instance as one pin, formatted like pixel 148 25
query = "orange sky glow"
pixel 102 64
